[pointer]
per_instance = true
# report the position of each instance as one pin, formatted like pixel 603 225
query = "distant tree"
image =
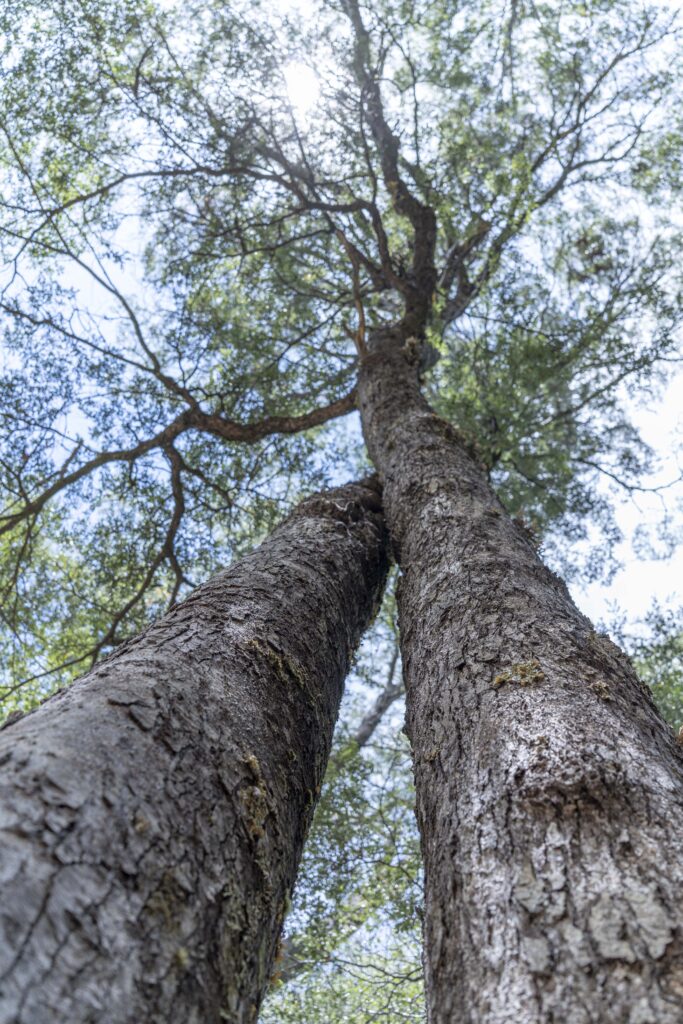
pixel 468 239
pixel 658 658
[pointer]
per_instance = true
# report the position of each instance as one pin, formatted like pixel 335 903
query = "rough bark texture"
pixel 549 790
pixel 152 815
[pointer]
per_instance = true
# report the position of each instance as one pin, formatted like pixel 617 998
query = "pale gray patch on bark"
pixel 153 815
pixel 549 790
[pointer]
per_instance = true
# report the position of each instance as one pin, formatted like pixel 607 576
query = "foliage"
pixel 659 661
pixel 355 987
pixel 190 267
pixel 355 924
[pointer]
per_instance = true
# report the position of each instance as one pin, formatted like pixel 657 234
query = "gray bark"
pixel 152 815
pixel 549 790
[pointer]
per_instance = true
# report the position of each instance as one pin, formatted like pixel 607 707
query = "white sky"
pixel 303 87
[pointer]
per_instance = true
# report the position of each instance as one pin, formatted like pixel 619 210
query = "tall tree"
pixel 547 783
pixel 471 186
pixel 154 813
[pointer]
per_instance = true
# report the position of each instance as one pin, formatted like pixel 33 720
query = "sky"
pixel 644 580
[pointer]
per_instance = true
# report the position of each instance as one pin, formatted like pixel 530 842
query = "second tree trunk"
pixel 549 790
pixel 152 816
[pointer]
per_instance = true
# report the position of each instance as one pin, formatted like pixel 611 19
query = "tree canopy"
pixel 192 259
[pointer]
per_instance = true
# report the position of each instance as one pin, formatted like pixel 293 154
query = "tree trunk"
pixel 549 790
pixel 153 814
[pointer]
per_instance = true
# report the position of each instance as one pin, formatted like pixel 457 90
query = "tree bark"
pixel 153 814
pixel 549 790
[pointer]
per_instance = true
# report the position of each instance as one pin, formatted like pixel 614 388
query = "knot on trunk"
pixel 420 354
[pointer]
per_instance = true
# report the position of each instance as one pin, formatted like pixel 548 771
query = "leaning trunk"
pixel 153 814
pixel 549 790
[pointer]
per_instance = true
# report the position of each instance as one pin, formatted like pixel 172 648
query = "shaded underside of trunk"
pixel 152 816
pixel 549 790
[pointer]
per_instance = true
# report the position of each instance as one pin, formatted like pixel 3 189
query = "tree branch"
pixel 190 419
pixel 418 287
